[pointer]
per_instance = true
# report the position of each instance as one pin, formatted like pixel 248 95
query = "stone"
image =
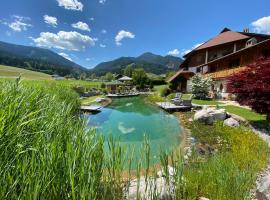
pixel 231 122
pixel 148 188
pixel 219 114
pixel 203 198
pixel 171 172
pixel 204 117
pixel 209 115
pixel 152 186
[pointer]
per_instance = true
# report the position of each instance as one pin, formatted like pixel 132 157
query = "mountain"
pixel 151 63
pixel 37 59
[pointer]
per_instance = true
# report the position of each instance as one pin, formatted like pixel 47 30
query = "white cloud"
pixel 64 40
pixel 50 20
pixel 104 31
pixel 262 25
pixel 102 45
pixel 92 19
pixel 186 51
pixel 174 52
pixel 66 56
pixel 102 1
pixel 18 24
pixel 121 35
pixel 70 4
pixel 82 26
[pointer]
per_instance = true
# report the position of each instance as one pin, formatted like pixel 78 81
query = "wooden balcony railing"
pixel 224 73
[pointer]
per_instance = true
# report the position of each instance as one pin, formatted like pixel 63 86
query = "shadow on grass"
pixel 261 124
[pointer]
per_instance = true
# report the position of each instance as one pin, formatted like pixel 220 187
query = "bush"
pixel 200 86
pixel 103 86
pixel 158 81
pixel 173 85
pixel 165 92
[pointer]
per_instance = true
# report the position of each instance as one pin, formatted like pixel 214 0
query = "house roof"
pixel 125 78
pixel 223 38
pixel 180 72
pixel 114 83
pixel 227 36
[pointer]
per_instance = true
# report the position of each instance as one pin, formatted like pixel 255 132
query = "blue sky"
pixel 94 31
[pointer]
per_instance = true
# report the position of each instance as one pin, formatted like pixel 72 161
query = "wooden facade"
pixel 227 53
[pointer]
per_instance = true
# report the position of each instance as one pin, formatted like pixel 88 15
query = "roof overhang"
pixel 179 73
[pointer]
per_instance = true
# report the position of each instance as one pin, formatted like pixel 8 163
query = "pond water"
pixel 130 120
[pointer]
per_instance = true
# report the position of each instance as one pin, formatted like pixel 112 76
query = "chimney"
pixel 246 30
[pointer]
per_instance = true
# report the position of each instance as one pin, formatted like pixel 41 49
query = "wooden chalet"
pixel 227 53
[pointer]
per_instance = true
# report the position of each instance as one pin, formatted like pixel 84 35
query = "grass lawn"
pixel 255 119
pixel 89 100
pixel 7 72
pixel 245 113
pixel 80 83
pixel 158 88
pixel 14 72
pixel 206 102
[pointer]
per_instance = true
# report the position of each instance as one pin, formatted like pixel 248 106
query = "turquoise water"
pixel 130 120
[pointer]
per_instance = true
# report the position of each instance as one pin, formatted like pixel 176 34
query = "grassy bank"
pixel 14 72
pixel 227 162
pixel 47 153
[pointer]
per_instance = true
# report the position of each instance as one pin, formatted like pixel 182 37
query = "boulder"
pixel 219 114
pixel 203 198
pixel 204 117
pixel 231 122
pixel 149 188
pixel 209 115
pixel 152 186
pixel 171 172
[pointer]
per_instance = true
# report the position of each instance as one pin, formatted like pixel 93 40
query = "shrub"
pixel 140 78
pixel 252 86
pixel 200 86
pixel 165 92
pixel 158 81
pixel 103 86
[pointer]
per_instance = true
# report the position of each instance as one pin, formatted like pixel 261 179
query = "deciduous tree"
pixel 252 86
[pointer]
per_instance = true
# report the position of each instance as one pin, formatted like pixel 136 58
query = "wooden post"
pixel 206 56
pixel 234 47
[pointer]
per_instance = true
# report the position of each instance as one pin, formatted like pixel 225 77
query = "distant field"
pixel 14 72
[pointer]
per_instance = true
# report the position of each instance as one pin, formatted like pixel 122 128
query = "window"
pixel 198 70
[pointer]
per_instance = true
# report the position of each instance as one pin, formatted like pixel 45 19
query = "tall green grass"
pixel 46 152
pixel 44 148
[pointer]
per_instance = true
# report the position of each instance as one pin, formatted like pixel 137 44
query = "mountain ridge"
pixel 152 63
pixel 37 59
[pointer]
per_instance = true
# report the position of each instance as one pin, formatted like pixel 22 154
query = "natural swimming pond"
pixel 130 120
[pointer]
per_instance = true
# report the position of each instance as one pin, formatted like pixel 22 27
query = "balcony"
pixel 224 73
